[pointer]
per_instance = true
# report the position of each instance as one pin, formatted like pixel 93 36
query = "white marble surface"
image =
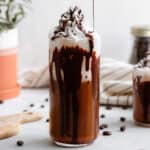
pixel 36 136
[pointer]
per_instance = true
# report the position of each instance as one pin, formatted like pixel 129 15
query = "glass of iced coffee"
pixel 141 90
pixel 74 64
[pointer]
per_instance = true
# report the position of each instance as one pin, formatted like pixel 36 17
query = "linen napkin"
pixel 116 81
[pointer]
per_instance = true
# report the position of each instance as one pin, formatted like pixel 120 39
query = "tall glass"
pixel 74 93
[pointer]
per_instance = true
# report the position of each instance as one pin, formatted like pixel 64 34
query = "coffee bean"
pixel 102 116
pixel 46 99
pixel 1 102
pixel 42 106
pixel 103 126
pixel 47 120
pixel 25 110
pixel 20 143
pixel 122 119
pixel 122 128
pixel 109 107
pixel 107 133
pixel 31 105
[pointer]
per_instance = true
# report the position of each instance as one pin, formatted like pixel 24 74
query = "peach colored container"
pixel 8 65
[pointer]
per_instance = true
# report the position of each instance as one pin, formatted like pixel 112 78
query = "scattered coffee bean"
pixel 107 133
pixel 103 126
pixel 42 106
pixel 20 143
pixel 25 110
pixel 31 105
pixel 122 128
pixel 102 116
pixel 1 102
pixel 47 120
pixel 109 107
pixel 46 99
pixel 122 119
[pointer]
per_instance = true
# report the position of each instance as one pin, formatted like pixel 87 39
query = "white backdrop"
pixel 113 21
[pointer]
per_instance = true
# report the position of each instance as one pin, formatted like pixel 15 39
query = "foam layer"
pixel 144 73
pixel 143 68
pixel 76 41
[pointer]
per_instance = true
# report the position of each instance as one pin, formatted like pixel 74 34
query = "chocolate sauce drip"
pixel 55 60
pixel 68 64
pixel 91 43
pixel 69 60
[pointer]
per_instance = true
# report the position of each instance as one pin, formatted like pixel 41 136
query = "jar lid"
pixel 141 31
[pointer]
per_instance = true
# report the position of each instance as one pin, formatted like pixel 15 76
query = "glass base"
pixel 142 124
pixel 69 145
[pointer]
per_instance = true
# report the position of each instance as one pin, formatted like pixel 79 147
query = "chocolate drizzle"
pixel 69 23
pixel 68 64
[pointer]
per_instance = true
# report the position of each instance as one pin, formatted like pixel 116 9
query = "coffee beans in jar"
pixel 141 43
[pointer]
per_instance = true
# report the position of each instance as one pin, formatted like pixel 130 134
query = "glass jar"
pixel 74 64
pixel 141 95
pixel 141 43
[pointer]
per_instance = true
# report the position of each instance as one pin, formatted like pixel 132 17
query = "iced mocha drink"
pixel 74 81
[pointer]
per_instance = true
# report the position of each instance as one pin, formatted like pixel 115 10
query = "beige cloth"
pixel 116 81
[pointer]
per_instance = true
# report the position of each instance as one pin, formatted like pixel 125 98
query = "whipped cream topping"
pixel 143 68
pixel 72 32
pixel 70 24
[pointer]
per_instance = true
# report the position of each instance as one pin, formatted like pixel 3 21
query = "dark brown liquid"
pixel 74 103
pixel 141 101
